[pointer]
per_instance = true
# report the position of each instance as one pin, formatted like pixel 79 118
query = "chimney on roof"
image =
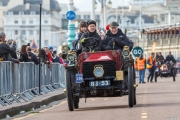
pixel 27 6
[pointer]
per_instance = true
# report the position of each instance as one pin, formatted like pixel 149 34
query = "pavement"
pixel 36 102
pixel 155 101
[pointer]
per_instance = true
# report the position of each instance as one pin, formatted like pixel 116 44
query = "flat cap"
pixel 114 24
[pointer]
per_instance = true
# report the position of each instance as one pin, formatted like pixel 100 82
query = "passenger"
pixel 82 29
pixel 91 32
pixel 160 58
pixel 115 35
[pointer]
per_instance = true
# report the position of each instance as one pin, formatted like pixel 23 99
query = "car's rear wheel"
pixel 131 86
pixel 156 76
pixel 134 74
pixel 174 75
pixel 69 91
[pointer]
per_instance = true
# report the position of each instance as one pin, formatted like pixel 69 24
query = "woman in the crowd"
pixel 82 29
pixel 23 54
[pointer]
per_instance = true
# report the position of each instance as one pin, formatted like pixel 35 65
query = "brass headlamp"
pixel 126 52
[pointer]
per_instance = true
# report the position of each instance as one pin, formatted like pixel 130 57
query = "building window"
pixel 31 32
pixel 137 23
pixel 21 13
pixel 31 21
pixel 37 32
pixel 16 22
pixel 16 32
pixel 132 21
pixel 46 21
pixel 78 16
pixel 97 16
pixel 46 42
pixel 10 13
pixel 63 16
pixel 162 19
pixel 85 17
pixel 4 13
pixel 23 32
pixel 172 18
pixel 32 12
pixel 23 22
pixel 88 16
pixel 44 12
pixel 1 4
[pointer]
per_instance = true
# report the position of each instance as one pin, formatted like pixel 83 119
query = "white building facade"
pixel 22 23
pixel 146 2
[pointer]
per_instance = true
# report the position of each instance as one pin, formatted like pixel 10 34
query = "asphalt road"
pixel 155 101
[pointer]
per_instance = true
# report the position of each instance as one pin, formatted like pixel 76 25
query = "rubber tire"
pixel 134 74
pixel 174 75
pixel 69 91
pixel 130 86
pixel 155 77
pixel 76 103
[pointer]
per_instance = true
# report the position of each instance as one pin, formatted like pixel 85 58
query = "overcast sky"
pixel 85 5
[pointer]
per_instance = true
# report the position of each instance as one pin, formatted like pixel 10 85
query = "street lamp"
pixel 104 6
pixel 109 4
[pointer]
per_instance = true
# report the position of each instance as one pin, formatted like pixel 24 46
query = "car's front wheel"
pixel 69 91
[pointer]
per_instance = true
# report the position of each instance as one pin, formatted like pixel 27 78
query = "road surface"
pixel 155 101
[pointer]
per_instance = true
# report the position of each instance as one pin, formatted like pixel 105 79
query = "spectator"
pixel 6 50
pixel 23 54
pixel 44 57
pixel 13 55
pixel 61 60
pixel 32 57
pixel 36 51
pixel 55 57
pixel 49 56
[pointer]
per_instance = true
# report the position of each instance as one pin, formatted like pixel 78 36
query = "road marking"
pixel 105 98
pixel 144 117
pixel 93 99
pixel 62 102
pixel 143 113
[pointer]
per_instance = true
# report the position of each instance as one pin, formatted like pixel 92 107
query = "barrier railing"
pixel 21 82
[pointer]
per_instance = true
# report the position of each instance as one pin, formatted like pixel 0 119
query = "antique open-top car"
pixel 99 74
pixel 165 70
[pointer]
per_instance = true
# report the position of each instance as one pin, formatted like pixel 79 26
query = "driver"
pixel 115 35
pixel 170 58
pixel 91 32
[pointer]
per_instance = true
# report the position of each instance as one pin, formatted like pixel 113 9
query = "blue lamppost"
pixel 70 15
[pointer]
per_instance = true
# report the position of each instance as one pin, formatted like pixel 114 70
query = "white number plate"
pixel 99 83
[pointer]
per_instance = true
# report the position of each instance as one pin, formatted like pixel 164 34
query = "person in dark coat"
pixel 170 57
pixel 32 57
pixel 115 39
pixel 82 29
pixel 23 54
pixel 6 50
pixel 160 58
pixel 91 32
pixel 55 57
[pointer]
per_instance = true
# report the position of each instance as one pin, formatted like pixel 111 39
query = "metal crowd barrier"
pixel 21 82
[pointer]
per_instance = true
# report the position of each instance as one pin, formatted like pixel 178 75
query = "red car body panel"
pixel 99 57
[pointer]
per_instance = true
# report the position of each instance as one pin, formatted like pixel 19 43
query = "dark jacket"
pixel 75 42
pixel 159 58
pixel 56 59
pixel 33 58
pixel 170 58
pixel 119 38
pixel 24 57
pixel 94 35
pixel 6 50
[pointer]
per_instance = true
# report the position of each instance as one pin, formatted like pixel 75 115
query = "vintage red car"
pixel 99 74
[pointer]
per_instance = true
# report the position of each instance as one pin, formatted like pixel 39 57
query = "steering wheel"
pixel 90 43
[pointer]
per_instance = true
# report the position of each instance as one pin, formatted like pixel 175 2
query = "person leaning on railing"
pixel 6 50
